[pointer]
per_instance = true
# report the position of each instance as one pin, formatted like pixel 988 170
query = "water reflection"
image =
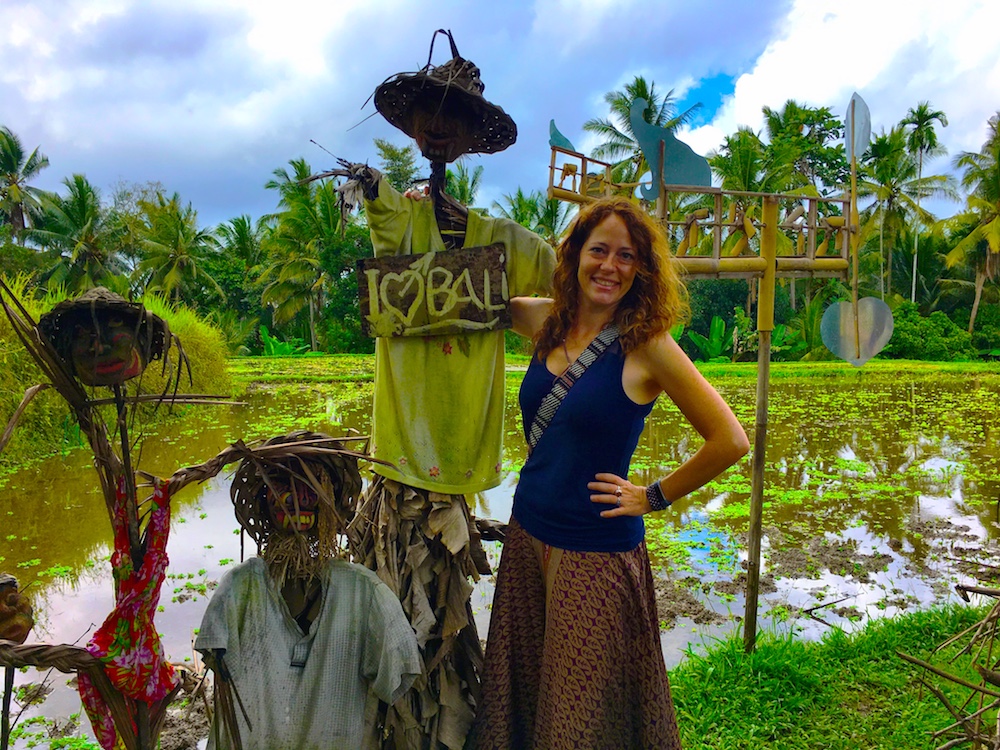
pixel 877 482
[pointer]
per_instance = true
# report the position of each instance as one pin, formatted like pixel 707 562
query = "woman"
pixel 573 658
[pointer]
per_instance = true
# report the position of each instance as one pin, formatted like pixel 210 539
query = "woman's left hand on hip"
pixel 626 498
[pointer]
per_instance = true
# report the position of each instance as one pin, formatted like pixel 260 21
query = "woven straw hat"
pixel 333 476
pixel 59 324
pixel 446 100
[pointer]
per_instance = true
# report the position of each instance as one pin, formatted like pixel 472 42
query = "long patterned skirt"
pixel 573 658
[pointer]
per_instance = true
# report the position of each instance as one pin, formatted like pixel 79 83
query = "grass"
pixel 845 692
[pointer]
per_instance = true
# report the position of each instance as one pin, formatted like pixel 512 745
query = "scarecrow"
pixel 439 399
pixel 100 340
pixel 15 624
pixel 307 641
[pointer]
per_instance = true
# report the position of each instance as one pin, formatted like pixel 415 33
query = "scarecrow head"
pixel 443 109
pixel 15 612
pixel 295 496
pixel 104 339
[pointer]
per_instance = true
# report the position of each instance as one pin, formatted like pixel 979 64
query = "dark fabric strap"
pixel 550 404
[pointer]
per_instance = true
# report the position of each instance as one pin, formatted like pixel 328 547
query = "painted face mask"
pixel 293 507
pixel 106 354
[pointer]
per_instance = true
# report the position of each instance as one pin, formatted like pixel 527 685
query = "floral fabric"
pixel 127 641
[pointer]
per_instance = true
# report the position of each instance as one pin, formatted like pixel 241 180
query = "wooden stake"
pixel 765 324
pixel 8 693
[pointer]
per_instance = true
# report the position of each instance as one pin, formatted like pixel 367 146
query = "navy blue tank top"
pixel 596 429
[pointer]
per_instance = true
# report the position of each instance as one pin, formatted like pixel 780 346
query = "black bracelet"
pixel 655 497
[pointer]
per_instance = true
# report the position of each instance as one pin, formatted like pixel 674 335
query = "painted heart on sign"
pixel 874 329
pixel 396 287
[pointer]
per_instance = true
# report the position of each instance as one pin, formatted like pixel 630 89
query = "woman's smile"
pixel 607 263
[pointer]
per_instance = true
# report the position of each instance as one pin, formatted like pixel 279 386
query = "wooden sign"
pixel 435 293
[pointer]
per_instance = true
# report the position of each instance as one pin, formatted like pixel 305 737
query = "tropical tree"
pixel 811 136
pixel 889 175
pixel 175 250
pixel 240 263
pixel 922 141
pixel 18 199
pixel 399 163
pixel 551 218
pixel 980 247
pixel 463 184
pixel 341 312
pixel 74 225
pixel 125 219
pixel 519 207
pixel 620 145
pixel 309 221
pixel 243 238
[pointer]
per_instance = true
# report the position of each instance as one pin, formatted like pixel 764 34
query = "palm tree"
pixel 889 174
pixel 17 198
pixel 175 249
pixel 620 145
pixel 243 238
pixel 746 164
pixel 551 218
pixel 520 207
pixel 981 246
pixel 74 225
pixel 813 136
pixel 309 221
pixel 462 184
pixel 922 141
pixel 399 163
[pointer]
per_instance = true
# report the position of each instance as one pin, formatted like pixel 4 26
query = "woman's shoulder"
pixel 660 361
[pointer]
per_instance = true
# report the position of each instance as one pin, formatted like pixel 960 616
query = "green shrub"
pixel 935 338
pixel 986 336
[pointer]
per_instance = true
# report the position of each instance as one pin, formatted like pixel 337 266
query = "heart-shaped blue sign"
pixel 857 346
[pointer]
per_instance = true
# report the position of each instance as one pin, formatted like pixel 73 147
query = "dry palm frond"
pixel 425 547
pixel 77 660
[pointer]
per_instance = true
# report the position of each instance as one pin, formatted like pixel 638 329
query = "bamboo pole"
pixel 765 324
pixel 855 230
pixel 8 693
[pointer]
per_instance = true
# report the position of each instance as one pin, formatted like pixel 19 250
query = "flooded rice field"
pixel 882 490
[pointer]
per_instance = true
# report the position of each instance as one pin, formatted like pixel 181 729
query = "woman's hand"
pixel 629 499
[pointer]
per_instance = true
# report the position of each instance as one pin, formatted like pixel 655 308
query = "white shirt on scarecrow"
pixel 316 689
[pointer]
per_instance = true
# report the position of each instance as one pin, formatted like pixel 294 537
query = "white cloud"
pixel 209 96
pixel 893 54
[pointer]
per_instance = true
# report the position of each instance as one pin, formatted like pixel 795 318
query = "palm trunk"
pixel 881 252
pixel 916 233
pixel 312 323
pixel 980 282
pixel 888 271
pixel 17 222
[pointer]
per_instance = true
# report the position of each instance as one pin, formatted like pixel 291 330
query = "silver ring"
pixel 618 502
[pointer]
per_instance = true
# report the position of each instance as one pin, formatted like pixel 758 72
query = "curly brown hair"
pixel 657 299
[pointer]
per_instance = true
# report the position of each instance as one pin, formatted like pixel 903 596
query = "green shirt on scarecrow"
pixel 439 401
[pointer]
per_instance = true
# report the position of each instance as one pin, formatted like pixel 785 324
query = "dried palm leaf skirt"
pixel 425 546
pixel 581 670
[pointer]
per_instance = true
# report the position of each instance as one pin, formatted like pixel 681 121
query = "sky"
pixel 209 97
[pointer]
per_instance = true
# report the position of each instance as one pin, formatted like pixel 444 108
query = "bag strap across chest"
pixel 550 404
